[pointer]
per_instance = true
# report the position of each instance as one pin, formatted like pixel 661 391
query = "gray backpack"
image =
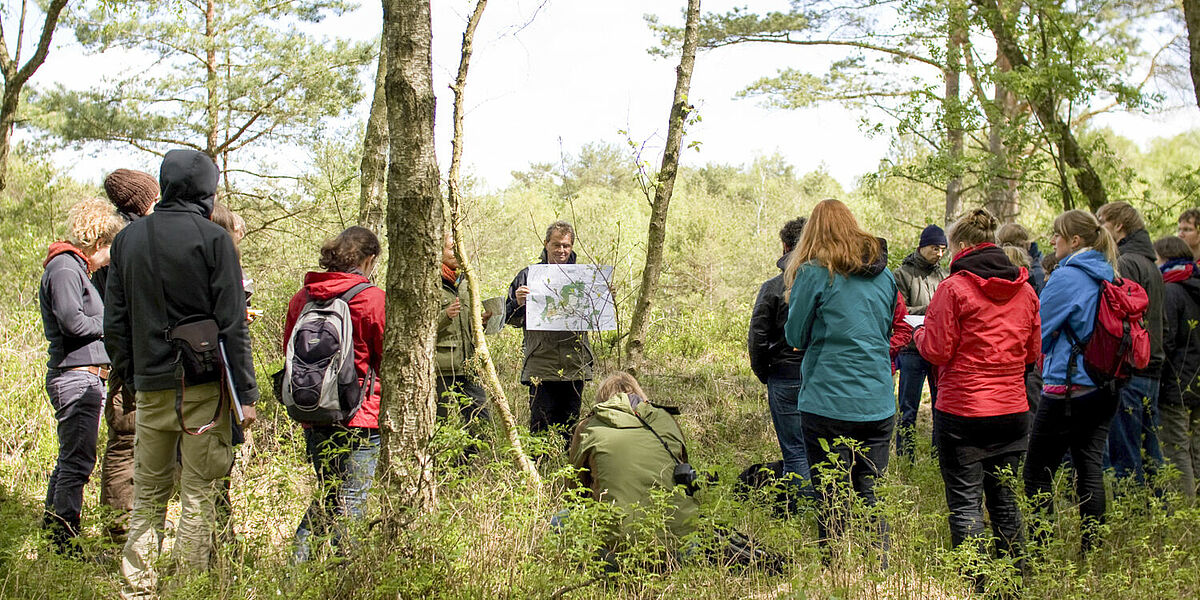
pixel 320 384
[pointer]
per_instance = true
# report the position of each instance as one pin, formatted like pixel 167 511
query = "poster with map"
pixel 570 298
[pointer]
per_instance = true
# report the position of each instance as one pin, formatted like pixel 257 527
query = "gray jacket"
pixel 917 279
pixel 72 311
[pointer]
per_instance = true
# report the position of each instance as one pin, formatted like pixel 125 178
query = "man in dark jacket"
pixel 917 278
pixel 173 264
pixel 1178 397
pixel 557 363
pixel 134 194
pixel 776 363
pixel 1134 428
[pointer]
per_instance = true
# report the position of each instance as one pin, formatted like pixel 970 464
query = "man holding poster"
pixel 557 362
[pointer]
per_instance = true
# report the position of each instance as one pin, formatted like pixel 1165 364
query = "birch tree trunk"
pixel 489 376
pixel 414 225
pixel 657 234
pixel 373 168
pixel 952 105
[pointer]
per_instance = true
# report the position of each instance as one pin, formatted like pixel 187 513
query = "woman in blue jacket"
pixel 842 303
pixel 1074 413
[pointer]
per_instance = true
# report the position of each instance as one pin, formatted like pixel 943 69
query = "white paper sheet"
pixel 570 298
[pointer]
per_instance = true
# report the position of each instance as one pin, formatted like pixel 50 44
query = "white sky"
pixel 579 73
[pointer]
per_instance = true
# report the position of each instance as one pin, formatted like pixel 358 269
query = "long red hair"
pixel 833 239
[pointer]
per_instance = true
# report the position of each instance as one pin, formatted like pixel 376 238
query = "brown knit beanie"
pixel 131 191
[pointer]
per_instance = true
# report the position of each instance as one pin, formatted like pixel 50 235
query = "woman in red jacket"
pixel 983 331
pixel 344 456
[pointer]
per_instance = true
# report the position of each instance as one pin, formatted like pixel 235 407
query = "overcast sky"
pixel 552 76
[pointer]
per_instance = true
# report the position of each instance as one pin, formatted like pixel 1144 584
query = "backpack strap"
pixel 660 440
pixel 349 294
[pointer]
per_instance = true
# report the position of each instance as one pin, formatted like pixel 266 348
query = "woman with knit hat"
pixel 73 321
pixel 917 278
pixel 134 194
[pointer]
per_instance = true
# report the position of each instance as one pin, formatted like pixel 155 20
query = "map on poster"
pixel 570 298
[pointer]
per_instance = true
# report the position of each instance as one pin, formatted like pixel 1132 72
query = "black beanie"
pixel 932 236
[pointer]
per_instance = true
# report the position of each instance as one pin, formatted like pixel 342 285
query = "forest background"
pixel 969 131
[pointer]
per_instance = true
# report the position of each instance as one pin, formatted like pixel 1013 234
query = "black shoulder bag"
pixel 196 340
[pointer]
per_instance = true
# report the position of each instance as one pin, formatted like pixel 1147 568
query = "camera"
pixel 686 476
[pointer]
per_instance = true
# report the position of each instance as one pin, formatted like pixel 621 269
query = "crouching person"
pixel 625 450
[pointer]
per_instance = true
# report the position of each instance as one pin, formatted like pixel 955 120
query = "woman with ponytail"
pixel 983 332
pixel 1074 413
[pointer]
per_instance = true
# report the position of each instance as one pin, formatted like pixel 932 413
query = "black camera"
pixel 686 476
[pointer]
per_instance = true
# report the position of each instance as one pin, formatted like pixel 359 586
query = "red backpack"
pixel 1119 342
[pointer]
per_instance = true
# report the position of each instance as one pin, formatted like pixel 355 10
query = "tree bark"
pixel 1002 187
pixel 1191 16
pixel 211 83
pixel 952 106
pixel 491 378
pixel 1044 106
pixel 657 234
pixel 373 168
pixel 17 75
pixel 414 225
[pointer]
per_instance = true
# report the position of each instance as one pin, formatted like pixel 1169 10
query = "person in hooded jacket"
pixel 1133 449
pixel 1015 234
pixel 777 364
pixel 134 194
pixel 844 313
pixel 457 388
pixel 1073 414
pixel 557 363
pixel 917 278
pixel 1179 396
pixel 983 332
pixel 170 265
pixel 72 319
pixel 344 456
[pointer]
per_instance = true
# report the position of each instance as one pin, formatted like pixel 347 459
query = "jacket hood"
pixel 1089 261
pixel 323 285
pixel 1137 242
pixel 877 267
pixel 782 262
pixel 64 248
pixel 916 260
pixel 545 259
pixel 188 180
pixel 988 267
pixel 1192 283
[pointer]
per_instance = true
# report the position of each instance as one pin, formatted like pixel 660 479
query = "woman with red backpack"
pixel 1075 411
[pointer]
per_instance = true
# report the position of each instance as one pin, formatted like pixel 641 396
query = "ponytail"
pixel 1085 225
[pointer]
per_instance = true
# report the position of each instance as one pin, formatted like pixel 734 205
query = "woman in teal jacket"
pixel 1074 418
pixel 842 306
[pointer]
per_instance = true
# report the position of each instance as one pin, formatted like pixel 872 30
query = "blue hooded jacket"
pixel 1070 299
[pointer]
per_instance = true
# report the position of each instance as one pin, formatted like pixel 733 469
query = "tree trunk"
pixel 952 105
pixel 1191 16
pixel 491 379
pixel 213 108
pixel 375 152
pixel 1002 186
pixel 657 234
pixel 1044 106
pixel 414 225
pixel 17 75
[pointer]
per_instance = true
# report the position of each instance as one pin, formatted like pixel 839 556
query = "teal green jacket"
pixel 843 325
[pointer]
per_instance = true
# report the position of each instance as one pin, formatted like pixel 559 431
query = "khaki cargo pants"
pixel 206 460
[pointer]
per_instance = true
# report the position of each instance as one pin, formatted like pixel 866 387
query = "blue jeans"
pixel 914 370
pixel 1134 430
pixel 783 397
pixel 344 460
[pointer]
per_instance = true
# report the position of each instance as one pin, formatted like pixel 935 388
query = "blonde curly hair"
pixel 92 223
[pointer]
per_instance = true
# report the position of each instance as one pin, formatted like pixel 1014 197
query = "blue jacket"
pixel 843 327
pixel 1070 299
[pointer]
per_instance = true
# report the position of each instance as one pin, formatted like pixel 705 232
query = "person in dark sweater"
pixel 72 319
pixel 917 278
pixel 134 193
pixel 777 364
pixel 1134 430
pixel 1179 396
pixel 173 264
pixel 983 332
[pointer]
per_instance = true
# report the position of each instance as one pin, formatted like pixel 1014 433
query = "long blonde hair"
pixel 1085 225
pixel 834 240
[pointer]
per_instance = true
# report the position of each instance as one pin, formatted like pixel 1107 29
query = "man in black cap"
pixel 917 278
pixel 175 266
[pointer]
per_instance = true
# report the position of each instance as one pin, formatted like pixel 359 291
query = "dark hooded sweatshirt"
pixel 1181 340
pixel 196 265
pixel 72 310
pixel 549 355
pixel 770 354
pixel 1136 262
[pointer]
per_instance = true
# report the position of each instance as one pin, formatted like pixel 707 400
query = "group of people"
pixel 1000 337
pixel 127 298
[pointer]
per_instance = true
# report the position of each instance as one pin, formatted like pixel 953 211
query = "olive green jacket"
pixel 549 355
pixel 621 461
pixel 455 344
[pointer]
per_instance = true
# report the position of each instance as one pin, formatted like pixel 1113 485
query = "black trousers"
pixel 861 467
pixel 1079 426
pixel 974 479
pixel 77 397
pixel 555 405
pixel 466 397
